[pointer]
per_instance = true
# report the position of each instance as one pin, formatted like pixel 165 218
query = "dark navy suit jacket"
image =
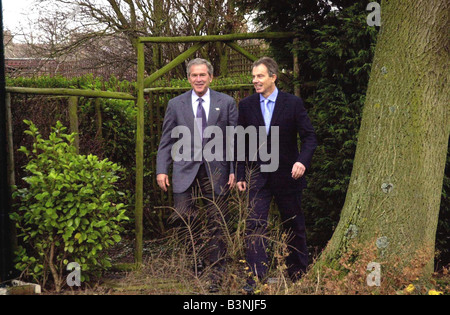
pixel 291 117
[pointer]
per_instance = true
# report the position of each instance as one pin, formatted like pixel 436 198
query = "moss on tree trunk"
pixel 395 188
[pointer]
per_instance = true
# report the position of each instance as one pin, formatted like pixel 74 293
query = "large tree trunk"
pixel 392 202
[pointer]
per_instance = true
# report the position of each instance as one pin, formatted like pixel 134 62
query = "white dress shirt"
pixel 206 103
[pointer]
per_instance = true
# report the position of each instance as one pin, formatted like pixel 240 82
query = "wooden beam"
pixel 230 87
pixel 281 76
pixel 70 92
pixel 217 38
pixel 178 60
pixel 242 51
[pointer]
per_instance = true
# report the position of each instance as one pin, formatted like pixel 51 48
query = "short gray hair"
pixel 200 61
pixel 272 66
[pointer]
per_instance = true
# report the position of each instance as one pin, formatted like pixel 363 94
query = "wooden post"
pixel 6 255
pixel 73 118
pixel 9 140
pixel 139 203
pixel 10 164
pixel 224 60
pixel 98 114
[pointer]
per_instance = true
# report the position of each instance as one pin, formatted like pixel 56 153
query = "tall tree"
pixel 395 187
pixel 287 15
pixel 129 19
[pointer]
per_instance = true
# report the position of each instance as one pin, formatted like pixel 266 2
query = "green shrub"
pixel 67 213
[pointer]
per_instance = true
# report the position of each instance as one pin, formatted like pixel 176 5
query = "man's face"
pixel 264 84
pixel 199 78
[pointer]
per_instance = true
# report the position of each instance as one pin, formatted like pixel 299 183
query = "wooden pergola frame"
pixel 142 83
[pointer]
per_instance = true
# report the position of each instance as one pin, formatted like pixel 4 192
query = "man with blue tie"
pixel 273 108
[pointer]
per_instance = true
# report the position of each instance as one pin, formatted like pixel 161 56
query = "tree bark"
pixel 395 188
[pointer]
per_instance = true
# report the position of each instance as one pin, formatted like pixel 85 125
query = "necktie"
pixel 267 115
pixel 201 114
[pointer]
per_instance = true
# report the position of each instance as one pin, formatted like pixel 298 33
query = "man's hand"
pixel 242 186
pixel 298 170
pixel 163 181
pixel 231 181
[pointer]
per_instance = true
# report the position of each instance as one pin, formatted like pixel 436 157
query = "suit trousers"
pixel 212 221
pixel 289 205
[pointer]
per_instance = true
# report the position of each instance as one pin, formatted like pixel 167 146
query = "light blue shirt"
pixel 270 106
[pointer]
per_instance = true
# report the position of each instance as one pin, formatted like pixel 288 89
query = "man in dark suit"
pixel 195 173
pixel 286 114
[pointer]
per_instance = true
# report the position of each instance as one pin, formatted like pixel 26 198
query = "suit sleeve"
pixel 307 135
pixel 164 155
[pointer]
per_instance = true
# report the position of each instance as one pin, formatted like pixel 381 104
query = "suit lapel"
pixel 256 109
pixel 186 107
pixel 279 107
pixel 215 106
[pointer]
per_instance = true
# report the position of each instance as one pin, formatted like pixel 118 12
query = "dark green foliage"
pixel 67 211
pixel 339 56
pixel 335 50
pixel 118 123
pixel 443 230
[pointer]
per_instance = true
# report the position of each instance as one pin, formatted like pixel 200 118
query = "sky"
pixel 15 13
pixel 18 13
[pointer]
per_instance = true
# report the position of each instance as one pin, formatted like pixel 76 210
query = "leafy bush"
pixel 67 213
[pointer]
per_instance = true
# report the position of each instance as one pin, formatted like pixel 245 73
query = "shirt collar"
pixel 195 97
pixel 272 97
